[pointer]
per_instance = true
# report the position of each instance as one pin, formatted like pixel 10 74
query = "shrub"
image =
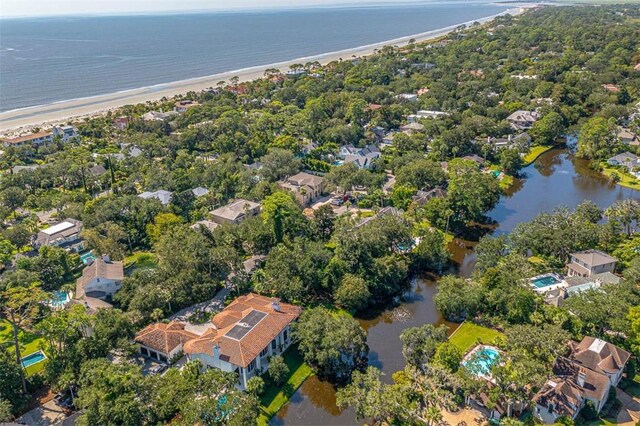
pixel 255 385
pixel 278 370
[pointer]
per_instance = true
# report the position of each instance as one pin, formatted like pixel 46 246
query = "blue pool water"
pixel 481 361
pixel 87 257
pixel 542 282
pixel 59 299
pixel 33 358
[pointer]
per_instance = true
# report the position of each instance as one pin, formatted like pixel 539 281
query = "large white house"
pixel 100 279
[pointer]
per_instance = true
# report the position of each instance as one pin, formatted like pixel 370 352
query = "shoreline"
pixel 23 119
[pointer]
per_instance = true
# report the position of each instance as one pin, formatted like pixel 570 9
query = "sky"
pixel 16 8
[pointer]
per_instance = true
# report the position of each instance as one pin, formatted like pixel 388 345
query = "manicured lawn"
pixel 626 179
pixel 29 344
pixel 469 334
pixel 140 260
pixel 634 388
pixel 536 151
pixel 275 397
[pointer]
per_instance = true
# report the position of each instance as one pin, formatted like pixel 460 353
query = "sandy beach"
pixel 78 109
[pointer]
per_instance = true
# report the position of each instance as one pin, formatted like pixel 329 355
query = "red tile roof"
pixel 164 337
pixel 241 352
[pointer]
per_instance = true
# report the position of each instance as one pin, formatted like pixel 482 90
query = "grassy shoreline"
pixel 536 152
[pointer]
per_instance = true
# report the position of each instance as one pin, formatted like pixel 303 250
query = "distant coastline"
pixel 82 108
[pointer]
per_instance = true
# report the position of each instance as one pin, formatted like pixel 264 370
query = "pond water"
pixel 555 179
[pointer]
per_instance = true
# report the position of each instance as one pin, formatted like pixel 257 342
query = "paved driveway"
pixel 44 415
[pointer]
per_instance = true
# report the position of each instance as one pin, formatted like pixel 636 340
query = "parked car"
pixel 158 369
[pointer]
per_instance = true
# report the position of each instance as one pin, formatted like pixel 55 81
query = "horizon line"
pixel 221 10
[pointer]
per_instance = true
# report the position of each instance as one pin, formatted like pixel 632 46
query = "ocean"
pixel 47 60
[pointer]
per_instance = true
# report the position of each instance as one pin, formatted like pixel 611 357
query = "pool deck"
pixel 559 283
pixel 469 356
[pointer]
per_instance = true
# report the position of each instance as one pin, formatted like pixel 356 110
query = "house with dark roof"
pixel 590 262
pixel 592 367
pixel 244 335
pixel 163 342
pixel 423 196
pixel 361 157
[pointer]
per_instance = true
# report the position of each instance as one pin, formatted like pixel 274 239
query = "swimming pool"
pixel 544 281
pixel 481 359
pixel 33 358
pixel 59 299
pixel 87 257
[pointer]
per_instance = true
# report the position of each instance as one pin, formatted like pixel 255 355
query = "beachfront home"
pixel 65 133
pixel 161 194
pixel 184 106
pixel 523 120
pixel 64 234
pixel 590 262
pixel 364 158
pixel 304 186
pixel 163 342
pixel 244 335
pixel 100 279
pixel 235 212
pixel 592 367
pixel 38 138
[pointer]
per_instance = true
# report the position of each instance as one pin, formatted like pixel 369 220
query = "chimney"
pixel 216 351
pixel 275 305
pixel 581 378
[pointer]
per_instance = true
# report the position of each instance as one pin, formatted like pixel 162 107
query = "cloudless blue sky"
pixel 13 8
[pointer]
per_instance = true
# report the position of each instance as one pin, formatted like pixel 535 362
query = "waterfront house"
pixel 587 373
pixel 244 335
pixel 184 106
pixel 304 186
pixel 100 279
pixel 626 159
pixel 163 342
pixel 64 234
pixel 476 159
pixel 235 212
pixel 523 120
pixel 590 262
pixel 161 194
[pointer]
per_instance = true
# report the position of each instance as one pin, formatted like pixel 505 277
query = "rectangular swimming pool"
pixel 33 358
pixel 544 281
pixel 87 257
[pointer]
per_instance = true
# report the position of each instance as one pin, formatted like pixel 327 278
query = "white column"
pixel 244 377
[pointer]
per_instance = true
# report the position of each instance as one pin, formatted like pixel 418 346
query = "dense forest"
pixel 241 140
